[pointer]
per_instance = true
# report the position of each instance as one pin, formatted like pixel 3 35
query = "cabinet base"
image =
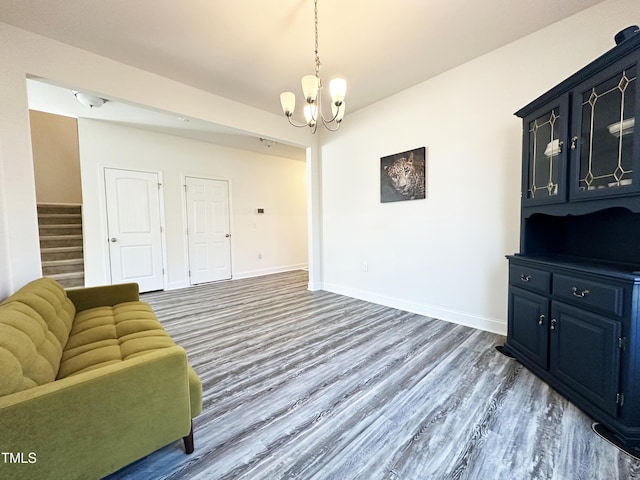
pixel 606 434
pixel 504 351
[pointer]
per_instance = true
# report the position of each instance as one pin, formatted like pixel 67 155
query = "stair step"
pixel 59 262
pixel 60 219
pixel 69 280
pixel 62 249
pixel 58 209
pixel 49 270
pixel 56 218
pixel 61 253
pixel 59 229
pixel 53 267
pixel 60 241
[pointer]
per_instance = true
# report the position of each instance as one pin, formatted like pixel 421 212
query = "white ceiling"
pixel 251 50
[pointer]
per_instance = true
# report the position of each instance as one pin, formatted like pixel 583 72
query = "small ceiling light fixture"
pixel 312 89
pixel 267 142
pixel 88 100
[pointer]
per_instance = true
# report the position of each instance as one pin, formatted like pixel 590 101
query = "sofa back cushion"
pixel 34 328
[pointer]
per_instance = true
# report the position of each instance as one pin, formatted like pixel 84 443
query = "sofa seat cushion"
pixel 106 335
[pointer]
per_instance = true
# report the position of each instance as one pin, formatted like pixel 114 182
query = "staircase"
pixel 61 243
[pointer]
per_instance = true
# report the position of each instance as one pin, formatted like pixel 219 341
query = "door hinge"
pixel 620 398
pixel 185 187
pixel 159 186
pixel 189 273
pixel 622 343
pixel 163 271
pixel 161 229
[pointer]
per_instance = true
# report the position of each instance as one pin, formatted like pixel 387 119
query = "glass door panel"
pixel 606 136
pixel 544 156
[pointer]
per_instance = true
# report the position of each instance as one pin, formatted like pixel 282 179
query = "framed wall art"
pixel 403 176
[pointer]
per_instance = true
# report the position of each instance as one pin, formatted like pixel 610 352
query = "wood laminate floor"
pixel 314 385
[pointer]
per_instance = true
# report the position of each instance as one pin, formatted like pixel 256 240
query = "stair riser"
pixel 59 219
pixel 52 243
pixel 66 230
pixel 52 256
pixel 59 209
pixel 71 282
pixel 53 270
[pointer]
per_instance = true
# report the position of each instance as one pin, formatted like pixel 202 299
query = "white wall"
pixel 276 184
pixel 444 256
pixel 25 54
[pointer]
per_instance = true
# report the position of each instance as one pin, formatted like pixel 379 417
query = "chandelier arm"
pixel 326 121
pixel 295 124
pixel 327 125
pixel 332 119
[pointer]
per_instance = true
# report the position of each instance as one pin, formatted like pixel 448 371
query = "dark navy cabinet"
pixel 574 287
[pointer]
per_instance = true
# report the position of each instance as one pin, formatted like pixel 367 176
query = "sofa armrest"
pixel 94 423
pixel 91 297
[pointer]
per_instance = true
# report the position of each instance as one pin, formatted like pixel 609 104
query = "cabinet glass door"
pixel 543 170
pixel 602 144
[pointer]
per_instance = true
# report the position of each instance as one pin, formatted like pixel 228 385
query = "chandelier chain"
pixel 318 64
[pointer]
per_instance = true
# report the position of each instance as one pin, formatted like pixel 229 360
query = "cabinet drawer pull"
pixel 582 294
pixel 525 278
pixel 541 319
pixel 553 324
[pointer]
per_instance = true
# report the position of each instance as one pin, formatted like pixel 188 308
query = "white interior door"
pixel 208 229
pixel 133 221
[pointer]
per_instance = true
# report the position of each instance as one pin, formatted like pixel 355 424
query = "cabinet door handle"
pixel 525 278
pixel 582 294
pixel 553 324
pixel 541 319
pixel 574 142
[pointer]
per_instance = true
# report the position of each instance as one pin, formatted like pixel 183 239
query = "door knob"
pixel 228 235
pixel 114 239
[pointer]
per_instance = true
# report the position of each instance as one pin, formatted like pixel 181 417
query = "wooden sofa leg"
pixel 188 441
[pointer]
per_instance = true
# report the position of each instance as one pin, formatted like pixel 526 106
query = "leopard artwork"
pixel 407 176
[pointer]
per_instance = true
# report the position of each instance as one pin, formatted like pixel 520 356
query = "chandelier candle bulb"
pixel 338 89
pixel 310 86
pixel 310 114
pixel 288 102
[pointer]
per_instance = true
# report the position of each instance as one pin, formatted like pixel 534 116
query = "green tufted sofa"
pixel 89 382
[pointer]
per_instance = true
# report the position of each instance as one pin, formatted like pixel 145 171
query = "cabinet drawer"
pixel 530 278
pixel 589 294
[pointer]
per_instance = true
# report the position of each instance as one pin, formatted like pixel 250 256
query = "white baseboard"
pixel 269 271
pixel 461 318
pixel 176 285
